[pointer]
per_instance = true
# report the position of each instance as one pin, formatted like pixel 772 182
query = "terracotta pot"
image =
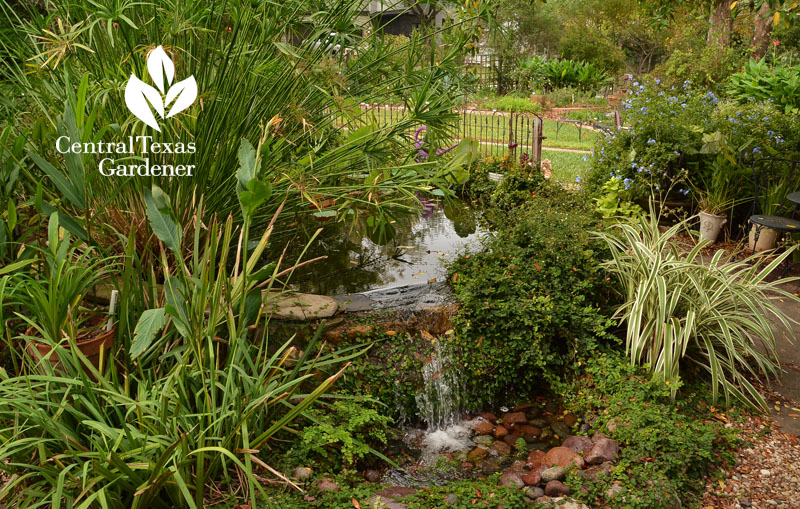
pixel 91 348
pixel 767 239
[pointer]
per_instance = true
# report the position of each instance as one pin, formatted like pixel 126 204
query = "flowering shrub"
pixel 664 132
pixel 677 133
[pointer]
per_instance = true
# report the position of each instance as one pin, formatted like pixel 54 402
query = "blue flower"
pixel 578 179
pixel 658 81
pixel 635 83
pixel 756 150
pixel 584 159
pixel 627 183
pixel 651 141
pixel 643 110
pixel 684 192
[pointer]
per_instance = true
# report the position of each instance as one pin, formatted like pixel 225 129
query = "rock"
pixel 478 453
pixel 532 478
pixel 527 429
pixel 511 480
pixel 577 444
pixel 562 457
pixel 556 489
pixel 595 471
pixel 552 407
pixel 523 407
pixel 379 502
pixel 535 459
pixel 534 492
pixel 301 473
pixel 539 423
pixel 301 306
pixel 467 466
pixel 615 490
pixel 489 416
pixel 501 448
pixel 553 474
pixel 451 499
pixel 483 440
pixel 396 492
pixel 538 446
pixel 561 429
pixel 561 503
pixel 500 432
pixel 603 450
pixel 511 440
pixel 598 436
pixel 488 467
pixel 570 419
pixel 534 412
pixel 483 427
pixel 518 466
pixel 372 475
pixel 326 484
pixel 515 418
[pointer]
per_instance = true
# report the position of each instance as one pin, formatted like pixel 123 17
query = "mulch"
pixel 767 468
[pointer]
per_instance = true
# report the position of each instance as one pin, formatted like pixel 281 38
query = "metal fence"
pixel 498 133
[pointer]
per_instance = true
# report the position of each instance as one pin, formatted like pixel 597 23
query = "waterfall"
pixel 440 405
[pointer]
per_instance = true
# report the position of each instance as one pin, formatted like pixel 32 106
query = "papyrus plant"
pixel 684 311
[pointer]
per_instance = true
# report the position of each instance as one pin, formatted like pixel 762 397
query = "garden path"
pixel 789 384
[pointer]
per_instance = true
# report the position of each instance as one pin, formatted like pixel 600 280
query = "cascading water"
pixel 440 405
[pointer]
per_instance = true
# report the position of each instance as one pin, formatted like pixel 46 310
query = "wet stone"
pixel 511 480
pixel 483 440
pixel 533 492
pixel 501 448
pixel 553 474
pixel 556 489
pixel 561 429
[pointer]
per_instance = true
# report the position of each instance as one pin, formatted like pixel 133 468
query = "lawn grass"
pixel 494 127
pixel 566 165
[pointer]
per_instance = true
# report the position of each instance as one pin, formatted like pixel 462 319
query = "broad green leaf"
pixel 149 324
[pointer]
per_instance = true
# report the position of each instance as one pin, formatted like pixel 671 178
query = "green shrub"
pixel 541 73
pixel 341 435
pixel 529 299
pixel 707 67
pixel 684 314
pixel 773 82
pixel 520 181
pixel 512 103
pixel 667 448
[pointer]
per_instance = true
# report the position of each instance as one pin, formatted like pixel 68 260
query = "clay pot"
pixel 92 348
pixel 767 239
pixel 710 225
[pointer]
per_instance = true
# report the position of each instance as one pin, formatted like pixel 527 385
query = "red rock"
pixel 467 466
pixel 532 478
pixel 515 418
pixel 483 427
pixel 511 440
pixel 500 432
pixel 511 480
pixel 570 419
pixel 489 416
pixel 556 489
pixel 517 466
pixel 502 448
pixel 535 459
pixel 524 407
pixel 326 484
pixel 577 444
pixel 527 429
pixel 477 453
pixel 562 457
pixel 603 450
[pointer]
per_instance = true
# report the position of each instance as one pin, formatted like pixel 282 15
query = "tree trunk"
pixel 761 31
pixel 721 23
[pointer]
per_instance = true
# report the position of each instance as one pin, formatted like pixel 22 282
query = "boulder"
pixel 500 432
pixel 501 448
pixel 534 492
pixel 535 459
pixel 570 419
pixel 532 478
pixel 595 471
pixel 577 444
pixel 603 450
pixel 489 416
pixel 483 427
pixel 301 306
pixel 326 484
pixel 615 490
pixel 511 480
pixel 527 429
pixel 483 440
pixel 556 489
pixel 301 473
pixel 560 429
pixel 553 474
pixel 511 440
pixel 515 418
pixel 562 457
pixel 478 453
pixel 372 475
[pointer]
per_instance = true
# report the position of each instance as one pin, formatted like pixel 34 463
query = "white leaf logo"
pixel 140 97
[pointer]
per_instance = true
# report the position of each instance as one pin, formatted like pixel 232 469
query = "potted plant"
pixel 714 199
pixel 53 302
pixel 772 203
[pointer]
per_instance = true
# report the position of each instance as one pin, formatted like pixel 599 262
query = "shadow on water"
pixel 414 257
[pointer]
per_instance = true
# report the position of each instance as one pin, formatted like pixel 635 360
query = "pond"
pixel 410 267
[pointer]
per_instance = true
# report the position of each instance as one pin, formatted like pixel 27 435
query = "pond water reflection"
pixel 415 256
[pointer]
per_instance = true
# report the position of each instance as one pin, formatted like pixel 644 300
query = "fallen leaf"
pixel 427 335
pixel 794 416
pixel 356 504
pixel 390 332
pixel 431 281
